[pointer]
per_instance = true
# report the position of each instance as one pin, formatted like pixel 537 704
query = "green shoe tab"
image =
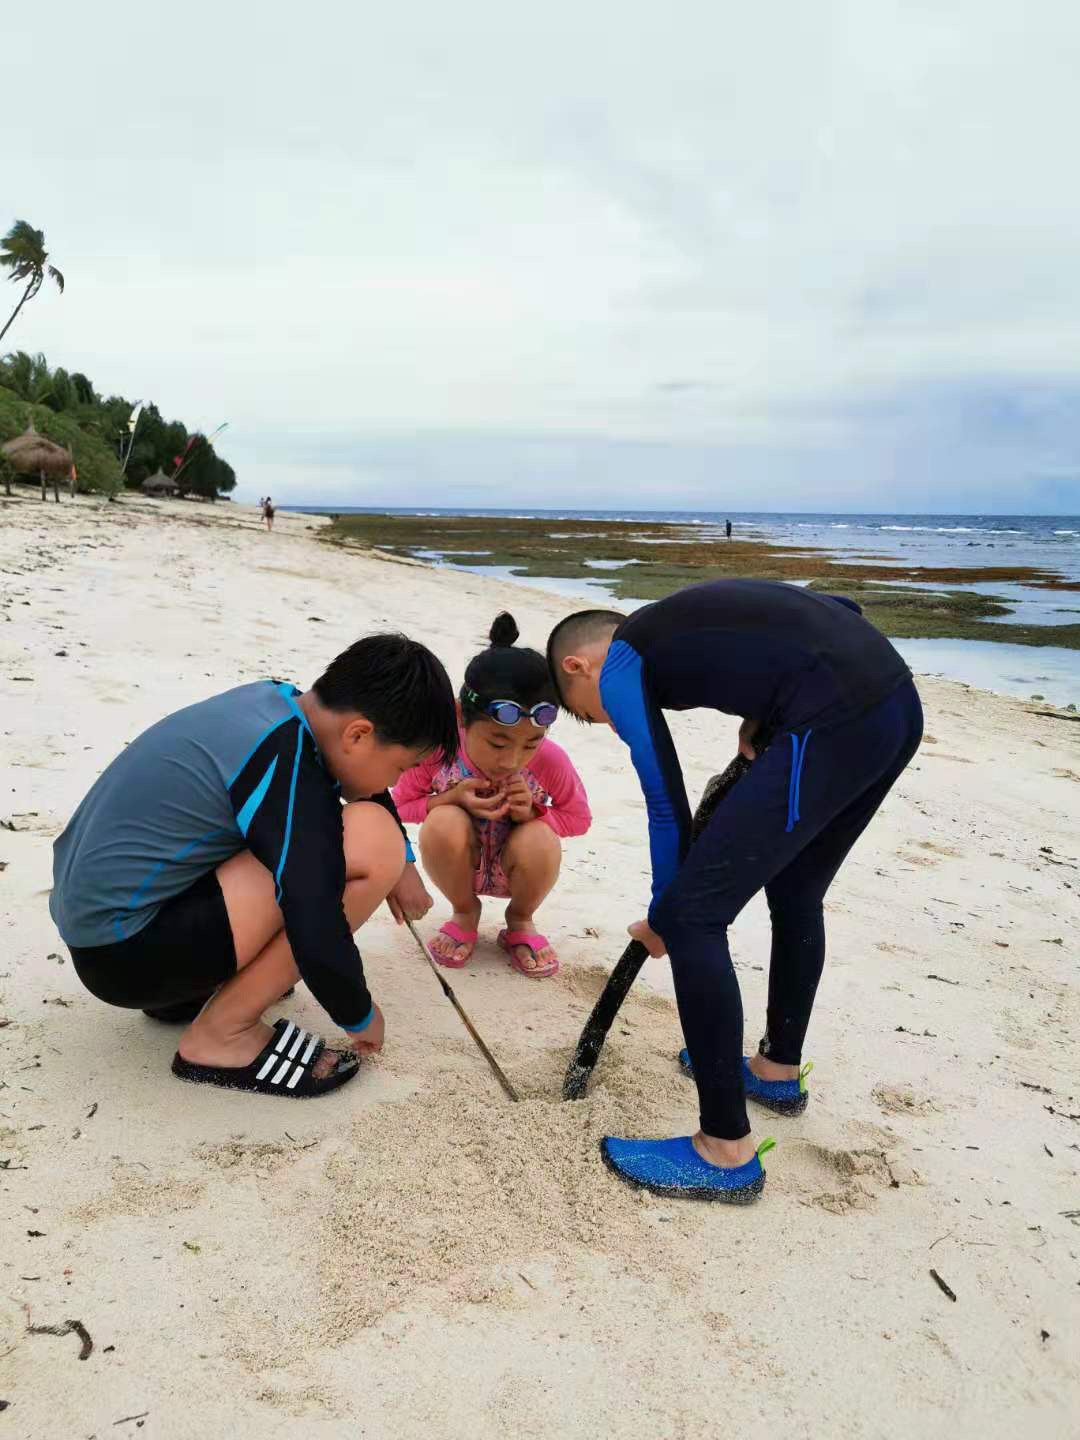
pixel 803 1074
pixel 765 1146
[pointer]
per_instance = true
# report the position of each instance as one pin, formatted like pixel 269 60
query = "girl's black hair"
pixel 505 672
pixel 400 686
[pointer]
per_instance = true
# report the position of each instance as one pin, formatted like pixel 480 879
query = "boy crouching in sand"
pixel 212 864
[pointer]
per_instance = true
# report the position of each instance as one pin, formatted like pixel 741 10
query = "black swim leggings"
pixel 786 828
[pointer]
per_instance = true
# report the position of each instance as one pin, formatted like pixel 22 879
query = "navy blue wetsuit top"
pixel 786 657
pixel 240 771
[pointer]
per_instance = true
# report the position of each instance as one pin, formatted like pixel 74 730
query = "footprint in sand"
pixel 33 822
pixel 1012 1031
pixel 902 1100
pixel 935 854
pixel 841 1179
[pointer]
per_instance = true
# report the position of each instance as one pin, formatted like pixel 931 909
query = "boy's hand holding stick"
pixel 409 899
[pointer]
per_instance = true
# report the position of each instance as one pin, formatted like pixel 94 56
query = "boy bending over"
pixel 837 718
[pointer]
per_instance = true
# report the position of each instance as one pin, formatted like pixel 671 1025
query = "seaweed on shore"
pixel 645 560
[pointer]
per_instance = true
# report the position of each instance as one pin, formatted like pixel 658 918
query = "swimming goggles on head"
pixel 509 712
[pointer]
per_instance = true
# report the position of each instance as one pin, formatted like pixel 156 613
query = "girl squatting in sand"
pixel 493 818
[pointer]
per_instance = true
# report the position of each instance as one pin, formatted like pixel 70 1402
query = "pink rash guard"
pixel 559 800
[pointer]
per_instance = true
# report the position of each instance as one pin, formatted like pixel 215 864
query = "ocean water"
pixel 971 541
pixel 1049 542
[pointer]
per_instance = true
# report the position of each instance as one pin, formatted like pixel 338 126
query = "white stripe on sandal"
pixel 271 1061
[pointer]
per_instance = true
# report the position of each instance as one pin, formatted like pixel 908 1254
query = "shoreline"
pixel 939 629
pixel 418 1255
pixel 905 600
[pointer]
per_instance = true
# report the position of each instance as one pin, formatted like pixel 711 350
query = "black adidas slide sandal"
pixel 285 1066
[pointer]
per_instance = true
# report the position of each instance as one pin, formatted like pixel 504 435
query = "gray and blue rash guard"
pixel 240 771
pixel 789 658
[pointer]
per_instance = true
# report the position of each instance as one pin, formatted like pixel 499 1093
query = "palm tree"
pixel 23 252
pixel 28 375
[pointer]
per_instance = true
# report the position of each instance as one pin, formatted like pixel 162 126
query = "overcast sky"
pixel 706 255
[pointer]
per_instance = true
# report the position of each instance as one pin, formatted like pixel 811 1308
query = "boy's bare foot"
pixel 769 1070
pixel 529 959
pixel 203 1045
pixel 446 947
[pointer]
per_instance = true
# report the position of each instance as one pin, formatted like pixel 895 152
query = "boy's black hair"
pixel 400 686
pixel 582 628
pixel 503 672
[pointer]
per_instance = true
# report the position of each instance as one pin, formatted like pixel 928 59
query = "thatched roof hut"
pixel 159 484
pixel 34 454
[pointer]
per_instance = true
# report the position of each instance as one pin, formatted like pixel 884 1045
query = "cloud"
pixel 694 251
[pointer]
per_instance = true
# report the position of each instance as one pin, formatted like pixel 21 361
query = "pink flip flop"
pixel 460 937
pixel 510 939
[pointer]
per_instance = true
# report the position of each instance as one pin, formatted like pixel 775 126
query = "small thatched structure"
pixel 34 454
pixel 159 485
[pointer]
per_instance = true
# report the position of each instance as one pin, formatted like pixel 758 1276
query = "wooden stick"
pixel 496 1068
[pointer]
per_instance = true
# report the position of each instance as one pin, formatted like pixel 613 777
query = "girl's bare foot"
pixel 529 959
pixel 446 947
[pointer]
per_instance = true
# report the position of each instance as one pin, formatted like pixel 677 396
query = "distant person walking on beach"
pixel 728 527
pixel 268 512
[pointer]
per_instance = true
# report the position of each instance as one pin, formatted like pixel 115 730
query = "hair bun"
pixel 504 630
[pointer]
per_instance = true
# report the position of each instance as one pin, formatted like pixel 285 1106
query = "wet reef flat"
pixel 641 561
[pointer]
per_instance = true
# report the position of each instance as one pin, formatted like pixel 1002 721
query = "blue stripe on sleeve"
pixel 622 692
pixel 356 1029
pixel 255 799
pixel 288 819
pixel 410 853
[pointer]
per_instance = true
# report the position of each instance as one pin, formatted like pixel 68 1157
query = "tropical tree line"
pixel 95 428
pixel 65 406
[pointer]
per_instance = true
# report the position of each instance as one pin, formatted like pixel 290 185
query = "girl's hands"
pixel 484 800
pixel 520 800
pixel 480 798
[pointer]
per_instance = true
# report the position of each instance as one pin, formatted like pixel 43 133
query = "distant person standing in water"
pixel 268 512
pixel 728 528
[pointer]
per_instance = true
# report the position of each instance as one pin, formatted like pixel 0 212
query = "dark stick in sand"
pixel 496 1068
pixel 587 1052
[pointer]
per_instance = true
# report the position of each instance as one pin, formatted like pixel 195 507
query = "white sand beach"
pixel 415 1256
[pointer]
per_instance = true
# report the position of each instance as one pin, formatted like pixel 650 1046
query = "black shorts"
pixel 185 953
